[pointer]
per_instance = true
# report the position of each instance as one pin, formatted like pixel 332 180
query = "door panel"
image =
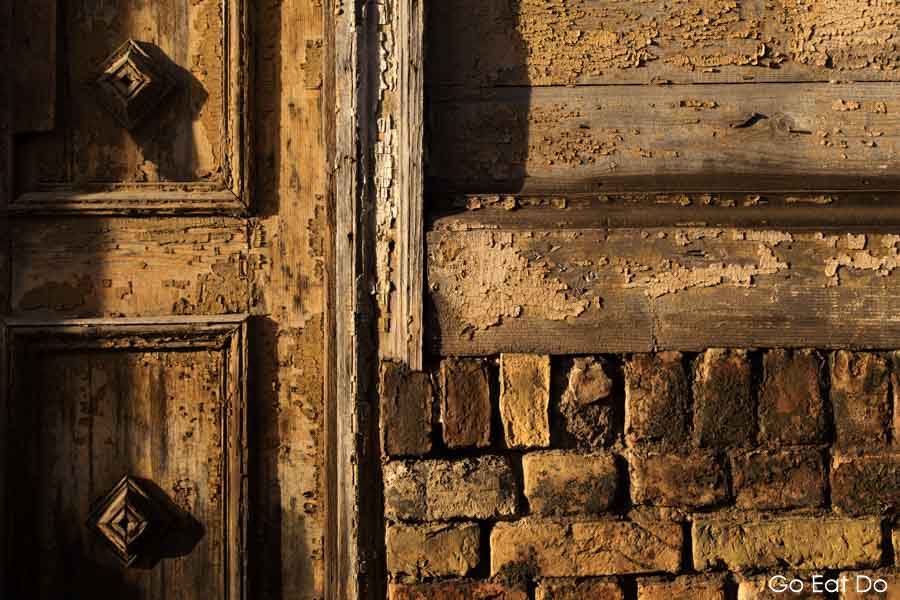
pixel 149 113
pixel 98 401
pixel 113 217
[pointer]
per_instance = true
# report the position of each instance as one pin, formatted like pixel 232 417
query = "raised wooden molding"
pixel 230 197
pixel 355 568
pixel 129 519
pixel 226 334
pixel 399 180
pixel 132 84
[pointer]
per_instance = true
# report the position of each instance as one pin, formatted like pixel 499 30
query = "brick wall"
pixel 663 476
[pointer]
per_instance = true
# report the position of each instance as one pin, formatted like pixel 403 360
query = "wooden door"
pixel 164 240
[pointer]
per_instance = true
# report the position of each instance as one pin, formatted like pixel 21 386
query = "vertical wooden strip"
pixel 6 155
pixel 4 441
pixel 34 75
pixel 409 46
pixel 349 444
pixel 235 445
pixel 398 179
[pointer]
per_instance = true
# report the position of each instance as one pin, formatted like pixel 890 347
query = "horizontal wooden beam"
pixel 576 290
pixel 699 137
pixel 817 211
pixel 566 42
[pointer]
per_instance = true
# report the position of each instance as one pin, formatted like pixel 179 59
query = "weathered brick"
pixel 455 590
pixel 758 587
pixel 860 586
pixel 859 394
pixel 866 484
pixel 790 542
pixel 561 548
pixel 778 479
pixel 693 480
pixel 433 550
pixel 525 400
pixel 791 406
pixel 724 414
pixel 586 408
pixel 465 403
pixel 688 587
pixel 657 399
pixel 433 490
pixel 565 483
pixel 406 400
pixel 579 589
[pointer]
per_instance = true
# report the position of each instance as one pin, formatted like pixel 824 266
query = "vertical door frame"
pixel 374 128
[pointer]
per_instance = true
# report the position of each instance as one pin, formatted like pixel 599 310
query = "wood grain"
pixel 400 188
pixel 594 290
pixel 33 78
pixel 113 267
pixel 169 251
pixel 564 42
pixel 288 237
pixel 702 137
pixel 197 137
pixel 356 570
pixel 135 405
pixel 816 211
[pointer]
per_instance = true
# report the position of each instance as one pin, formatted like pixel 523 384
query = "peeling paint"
pixel 673 277
pixel 502 284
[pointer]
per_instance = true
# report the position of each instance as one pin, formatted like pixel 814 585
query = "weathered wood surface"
pixel 167 415
pixel 564 42
pixel 698 137
pixel 835 211
pixel 134 267
pixel 196 136
pixel 33 80
pixel 353 571
pixel 399 182
pixel 288 240
pixel 174 262
pixel 591 290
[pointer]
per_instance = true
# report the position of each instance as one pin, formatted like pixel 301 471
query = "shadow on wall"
pixel 466 63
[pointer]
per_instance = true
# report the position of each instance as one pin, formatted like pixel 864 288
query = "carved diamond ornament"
pixel 132 84
pixel 130 520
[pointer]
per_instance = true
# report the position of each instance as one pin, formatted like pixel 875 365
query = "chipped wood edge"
pixel 409 43
pixel 235 383
pixel 399 179
pixel 352 467
pixel 831 210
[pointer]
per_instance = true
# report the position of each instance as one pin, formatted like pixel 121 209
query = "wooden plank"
pixel 6 474
pixel 352 464
pixel 130 267
pixel 288 237
pixel 194 200
pixel 591 290
pixel 702 137
pixel 399 185
pixel 564 42
pixel 836 211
